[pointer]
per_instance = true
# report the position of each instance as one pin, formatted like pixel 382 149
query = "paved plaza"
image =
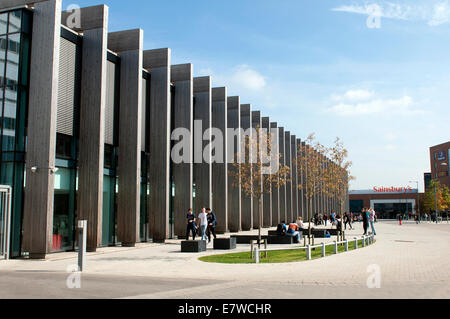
pixel 412 261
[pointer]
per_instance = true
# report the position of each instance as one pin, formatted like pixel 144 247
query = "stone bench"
pixel 225 243
pixel 193 246
pixel 320 233
pixel 281 240
pixel 246 239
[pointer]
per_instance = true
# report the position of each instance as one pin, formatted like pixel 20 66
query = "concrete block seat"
pixel 282 240
pixel 246 239
pixel 320 232
pixel 272 233
pixel 193 246
pixel 225 243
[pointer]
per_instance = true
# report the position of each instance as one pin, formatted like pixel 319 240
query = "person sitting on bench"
pixel 281 229
pixel 293 231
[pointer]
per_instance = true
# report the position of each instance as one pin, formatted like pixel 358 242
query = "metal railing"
pixel 5 220
pixel 365 241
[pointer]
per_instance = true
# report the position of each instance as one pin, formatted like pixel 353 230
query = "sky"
pixel 374 73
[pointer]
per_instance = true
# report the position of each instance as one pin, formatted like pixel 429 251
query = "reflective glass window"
pixel 12 63
pixel 64 209
pixel 3 23
pixel 9 118
pixel 15 21
pixel 2 59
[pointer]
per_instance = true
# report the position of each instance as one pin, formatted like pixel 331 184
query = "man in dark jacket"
pixel 212 222
pixel 190 227
pixel 365 219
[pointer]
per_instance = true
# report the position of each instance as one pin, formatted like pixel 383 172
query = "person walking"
pixel 400 219
pixel 365 220
pixel 212 222
pixel 333 218
pixel 325 219
pixel 372 220
pixel 203 223
pixel 347 220
pixel 190 227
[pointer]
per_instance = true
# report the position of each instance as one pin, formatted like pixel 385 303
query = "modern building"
pixel 88 121
pixel 439 162
pixel 387 202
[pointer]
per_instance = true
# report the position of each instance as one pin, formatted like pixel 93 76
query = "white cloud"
pixel 354 103
pixel 434 13
pixel 390 147
pixel 248 78
pixel 353 95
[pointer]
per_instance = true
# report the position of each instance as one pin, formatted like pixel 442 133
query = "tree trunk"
pixel 260 220
pixel 309 220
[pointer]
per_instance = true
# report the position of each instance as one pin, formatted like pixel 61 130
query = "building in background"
pixel 388 202
pixel 440 169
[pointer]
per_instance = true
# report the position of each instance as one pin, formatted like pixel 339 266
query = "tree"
pixel 259 170
pixel 310 164
pixel 339 175
pixel 437 196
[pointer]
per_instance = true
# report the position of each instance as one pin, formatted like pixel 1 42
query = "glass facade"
pixel 64 210
pixel 15 42
pixel 391 210
pixel 110 180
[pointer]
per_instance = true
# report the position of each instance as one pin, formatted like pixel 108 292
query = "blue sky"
pixel 316 66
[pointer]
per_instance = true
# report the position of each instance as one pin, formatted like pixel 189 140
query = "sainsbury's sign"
pixel 393 189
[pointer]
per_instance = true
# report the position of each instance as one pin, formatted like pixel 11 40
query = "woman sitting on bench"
pixel 293 231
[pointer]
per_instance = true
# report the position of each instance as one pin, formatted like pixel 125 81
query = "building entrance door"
pixel 5 221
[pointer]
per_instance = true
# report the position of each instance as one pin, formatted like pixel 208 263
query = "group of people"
pixel 368 216
pixel 294 229
pixel 206 227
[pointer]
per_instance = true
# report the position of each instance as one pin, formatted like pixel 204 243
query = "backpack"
pixel 280 229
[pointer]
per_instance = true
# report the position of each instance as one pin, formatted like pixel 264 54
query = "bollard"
pixel 356 243
pixel 82 236
pixel 363 241
pixel 335 247
pixel 256 255
pixel 308 252
pixel 346 245
pixel 323 249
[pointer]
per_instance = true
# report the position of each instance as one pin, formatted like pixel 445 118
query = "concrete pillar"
pixel 233 141
pixel 287 150
pixel 129 46
pixel 157 62
pixel 275 190
pixel 202 140
pixel 257 122
pixel 183 172
pixel 94 25
pixel 246 199
pixel 267 201
pixel 41 143
pixel 219 165
pixel 282 189
pixel 294 177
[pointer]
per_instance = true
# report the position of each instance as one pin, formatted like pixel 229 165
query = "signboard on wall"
pixel 440 156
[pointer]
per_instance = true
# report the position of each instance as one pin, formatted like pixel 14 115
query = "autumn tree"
pixel 437 196
pixel 310 164
pixel 339 175
pixel 259 170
